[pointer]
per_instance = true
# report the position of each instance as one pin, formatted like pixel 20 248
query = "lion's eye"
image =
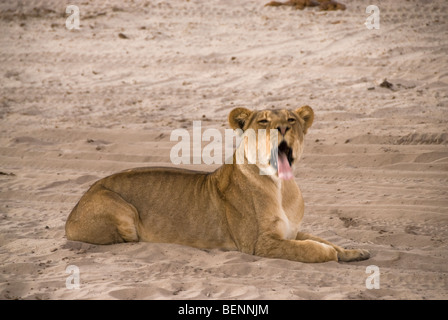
pixel 291 120
pixel 263 121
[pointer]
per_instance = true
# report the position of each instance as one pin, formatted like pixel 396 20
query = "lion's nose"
pixel 283 129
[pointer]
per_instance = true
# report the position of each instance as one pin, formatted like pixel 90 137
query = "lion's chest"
pixel 287 227
pixel 290 211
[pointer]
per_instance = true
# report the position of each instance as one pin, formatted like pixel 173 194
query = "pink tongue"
pixel 284 169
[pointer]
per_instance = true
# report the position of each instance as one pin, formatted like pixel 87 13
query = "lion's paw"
pixel 353 255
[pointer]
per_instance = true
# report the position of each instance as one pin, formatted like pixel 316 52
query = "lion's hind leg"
pixel 102 217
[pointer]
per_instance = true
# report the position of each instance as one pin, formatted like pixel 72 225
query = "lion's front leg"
pixel 297 250
pixel 345 255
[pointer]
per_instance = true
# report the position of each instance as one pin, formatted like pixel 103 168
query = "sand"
pixel 78 105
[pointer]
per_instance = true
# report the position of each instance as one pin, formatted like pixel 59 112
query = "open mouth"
pixel 287 151
pixel 284 161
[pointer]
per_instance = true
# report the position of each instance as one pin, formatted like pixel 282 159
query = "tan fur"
pixel 234 207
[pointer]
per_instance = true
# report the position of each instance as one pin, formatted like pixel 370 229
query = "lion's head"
pixel 288 126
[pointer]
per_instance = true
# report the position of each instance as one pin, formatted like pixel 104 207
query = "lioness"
pixel 234 207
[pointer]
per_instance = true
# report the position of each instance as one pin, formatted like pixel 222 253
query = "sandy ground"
pixel 78 105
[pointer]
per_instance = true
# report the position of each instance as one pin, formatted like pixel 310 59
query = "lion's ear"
pixel 307 114
pixel 238 117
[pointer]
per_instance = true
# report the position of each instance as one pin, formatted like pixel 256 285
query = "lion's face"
pixel 289 127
